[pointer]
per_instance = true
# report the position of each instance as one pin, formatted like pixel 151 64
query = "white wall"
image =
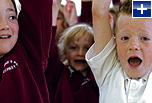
pixel 78 5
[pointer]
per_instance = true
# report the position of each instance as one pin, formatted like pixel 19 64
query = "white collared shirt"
pixel 1 56
pixel 110 78
pixel 134 88
pixel 71 71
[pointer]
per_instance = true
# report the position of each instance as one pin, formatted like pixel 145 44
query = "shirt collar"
pixel 71 71
pixel 1 56
pixel 145 77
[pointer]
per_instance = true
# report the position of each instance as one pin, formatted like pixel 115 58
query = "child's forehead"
pixel 6 6
pixel 6 3
pixel 81 42
pixel 81 37
pixel 127 22
pixel 129 19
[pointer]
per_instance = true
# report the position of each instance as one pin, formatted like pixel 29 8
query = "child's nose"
pixel 134 45
pixel 4 24
pixel 81 52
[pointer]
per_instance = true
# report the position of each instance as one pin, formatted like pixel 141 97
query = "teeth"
pixel 5 36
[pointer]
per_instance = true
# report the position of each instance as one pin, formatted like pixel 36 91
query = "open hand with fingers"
pixel 70 13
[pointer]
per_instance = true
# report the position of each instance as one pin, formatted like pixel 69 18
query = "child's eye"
pixel 58 18
pixel 144 38
pixel 87 48
pixel 73 47
pixel 124 38
pixel 13 18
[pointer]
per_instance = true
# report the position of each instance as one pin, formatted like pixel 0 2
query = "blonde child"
pixel 76 83
pixel 122 70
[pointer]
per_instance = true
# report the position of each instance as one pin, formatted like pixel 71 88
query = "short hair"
pixel 73 33
pixel 125 8
pixel 114 10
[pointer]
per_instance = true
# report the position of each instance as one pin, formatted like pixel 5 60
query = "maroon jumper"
pixel 22 78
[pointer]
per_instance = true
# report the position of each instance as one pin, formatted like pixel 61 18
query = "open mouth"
pixel 80 61
pixel 134 61
pixel 5 36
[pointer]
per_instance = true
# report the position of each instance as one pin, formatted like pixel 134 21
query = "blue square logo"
pixel 141 9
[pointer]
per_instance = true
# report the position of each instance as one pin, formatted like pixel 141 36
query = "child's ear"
pixel 114 38
pixel 65 61
pixel 64 55
pixel 111 21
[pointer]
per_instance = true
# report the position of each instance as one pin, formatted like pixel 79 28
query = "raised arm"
pixel 56 7
pixel 86 11
pixel 54 67
pixel 35 20
pixel 101 25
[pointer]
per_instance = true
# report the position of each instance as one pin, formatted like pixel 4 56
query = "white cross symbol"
pixel 142 9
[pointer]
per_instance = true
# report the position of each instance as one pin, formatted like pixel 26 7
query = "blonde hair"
pixel 73 33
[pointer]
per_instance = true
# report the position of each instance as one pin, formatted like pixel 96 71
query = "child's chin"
pixel 136 74
pixel 4 52
pixel 80 69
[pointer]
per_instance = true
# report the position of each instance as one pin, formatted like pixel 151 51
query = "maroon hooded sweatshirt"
pixel 87 93
pixel 58 78
pixel 22 78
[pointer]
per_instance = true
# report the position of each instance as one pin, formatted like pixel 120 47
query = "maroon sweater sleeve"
pixel 35 21
pixel 116 1
pixel 54 67
pixel 86 12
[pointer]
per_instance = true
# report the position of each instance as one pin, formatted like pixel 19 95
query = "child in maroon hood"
pixel 76 83
pixel 24 49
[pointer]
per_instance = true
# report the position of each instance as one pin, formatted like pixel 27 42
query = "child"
pixel 24 55
pixel 126 78
pixel 74 43
pixel 61 24
pixel 67 16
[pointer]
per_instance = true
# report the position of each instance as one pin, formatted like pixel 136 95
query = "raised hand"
pixel 55 9
pixel 101 24
pixel 86 0
pixel 100 6
pixel 56 3
pixel 70 13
